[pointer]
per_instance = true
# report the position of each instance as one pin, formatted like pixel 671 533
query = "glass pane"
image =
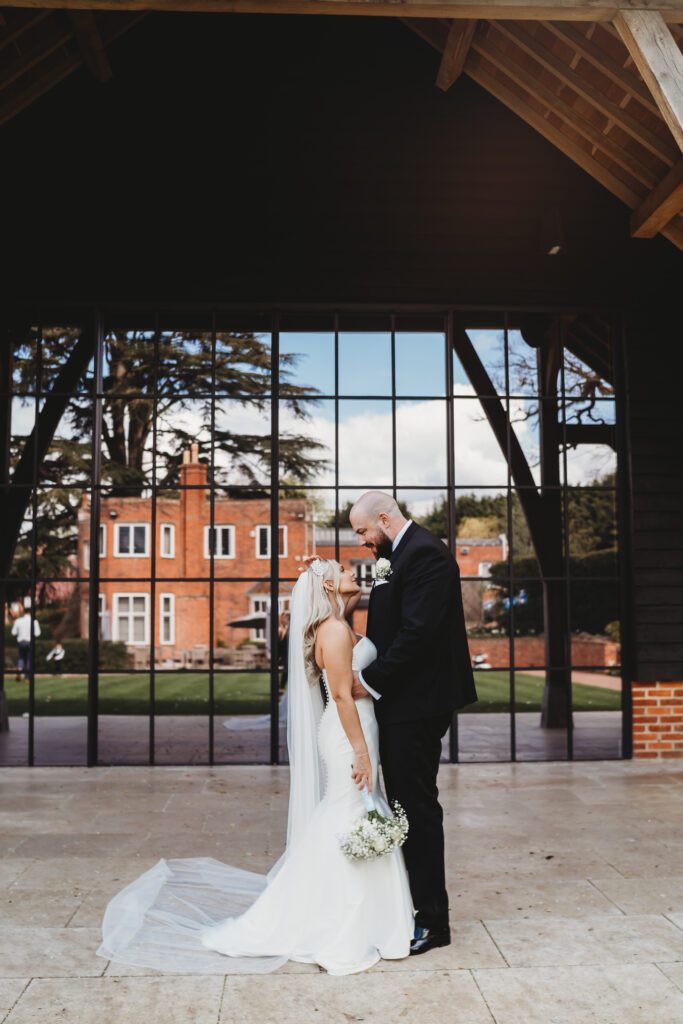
pixel 62 530
pixel 478 459
pixel 68 460
pixel 420 363
pixel 421 443
pixel 365 443
pixel 242 650
pixel 522 361
pixel 185 359
pixel 524 418
pixel 25 362
pixel 183 443
pixel 588 357
pixel 593 531
pixel 597 714
pixel 242 442
pixel 590 449
pixel 307 362
pixel 243 355
pixel 124 706
pixel 56 347
pixel 306 442
pixel 595 619
pixel 181 720
pixel 489 350
pixel 129 360
pixel 365 363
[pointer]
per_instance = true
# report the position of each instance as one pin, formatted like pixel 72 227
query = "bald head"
pixel 377 519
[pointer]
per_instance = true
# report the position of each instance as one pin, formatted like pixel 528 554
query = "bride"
pixel 314 905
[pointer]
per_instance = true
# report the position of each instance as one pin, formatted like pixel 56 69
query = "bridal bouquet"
pixel 375 835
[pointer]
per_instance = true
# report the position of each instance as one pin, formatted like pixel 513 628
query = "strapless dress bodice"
pixel 364 653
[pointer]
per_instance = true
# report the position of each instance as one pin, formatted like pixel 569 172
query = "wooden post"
pixel 657 56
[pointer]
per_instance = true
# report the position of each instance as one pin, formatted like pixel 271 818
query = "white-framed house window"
pixel 131 618
pixel 103 546
pixel 365 573
pixel 485 568
pixel 261 603
pixel 167 540
pixel 223 541
pixel 263 541
pixel 167 618
pixel 131 540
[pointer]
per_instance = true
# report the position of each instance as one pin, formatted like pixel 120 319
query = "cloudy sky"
pixel 365 424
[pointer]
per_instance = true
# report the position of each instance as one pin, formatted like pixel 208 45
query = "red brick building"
pixel 241 548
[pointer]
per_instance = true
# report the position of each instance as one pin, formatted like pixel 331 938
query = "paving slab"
pixel 159 1000
pixel 633 994
pixel 374 998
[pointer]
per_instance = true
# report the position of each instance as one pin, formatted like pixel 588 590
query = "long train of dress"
pixel 200 915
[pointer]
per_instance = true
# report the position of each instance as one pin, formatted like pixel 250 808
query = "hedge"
pixel 113 655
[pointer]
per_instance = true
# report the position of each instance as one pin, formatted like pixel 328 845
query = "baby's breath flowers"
pixel 375 835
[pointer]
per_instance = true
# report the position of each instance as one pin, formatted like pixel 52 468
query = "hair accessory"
pixel 319 566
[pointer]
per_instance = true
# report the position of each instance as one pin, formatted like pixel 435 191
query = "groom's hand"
pixel 357 688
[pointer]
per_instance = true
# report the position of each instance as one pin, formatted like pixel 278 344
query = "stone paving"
pixel 565 882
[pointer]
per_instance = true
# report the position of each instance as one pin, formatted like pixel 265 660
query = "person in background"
pixel 22 631
pixel 56 656
pixel 283 647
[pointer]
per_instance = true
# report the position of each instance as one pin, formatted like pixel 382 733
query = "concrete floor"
pixel 565 883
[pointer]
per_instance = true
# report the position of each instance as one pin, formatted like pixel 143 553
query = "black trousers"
pixel 410 754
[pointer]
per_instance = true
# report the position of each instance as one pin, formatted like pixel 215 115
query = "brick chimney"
pixel 194 510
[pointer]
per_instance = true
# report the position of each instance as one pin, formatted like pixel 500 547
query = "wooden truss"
pixel 603 82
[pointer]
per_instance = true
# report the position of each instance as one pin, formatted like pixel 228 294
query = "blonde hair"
pixel 321 605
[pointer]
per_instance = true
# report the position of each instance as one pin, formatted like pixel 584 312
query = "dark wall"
pixel 306 159
pixel 655 354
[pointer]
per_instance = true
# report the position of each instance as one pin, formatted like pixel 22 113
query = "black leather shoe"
pixel 425 939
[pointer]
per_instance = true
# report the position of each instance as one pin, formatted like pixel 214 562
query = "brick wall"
pixel 658 720
pixel 189 515
pixel 530 651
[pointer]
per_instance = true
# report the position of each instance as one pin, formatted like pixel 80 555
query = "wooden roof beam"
pixel 91 44
pixel 548 59
pixel 658 58
pixel 455 52
pixel 514 70
pixel 661 206
pixel 600 59
pixel 476 70
pixel 531 10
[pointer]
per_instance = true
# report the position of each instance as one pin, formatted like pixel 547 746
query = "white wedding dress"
pixel 314 906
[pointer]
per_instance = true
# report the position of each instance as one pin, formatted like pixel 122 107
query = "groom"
pixel 421 676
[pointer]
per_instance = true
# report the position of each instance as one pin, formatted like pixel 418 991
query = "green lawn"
pixel 181 693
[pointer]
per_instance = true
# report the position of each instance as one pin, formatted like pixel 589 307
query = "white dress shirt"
pixel 394 544
pixel 22 628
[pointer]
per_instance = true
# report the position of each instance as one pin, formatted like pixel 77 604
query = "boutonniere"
pixel 383 570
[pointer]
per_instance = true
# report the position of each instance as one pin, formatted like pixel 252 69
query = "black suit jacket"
pixel 417 624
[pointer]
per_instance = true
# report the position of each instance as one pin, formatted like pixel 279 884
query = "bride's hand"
pixel 362 770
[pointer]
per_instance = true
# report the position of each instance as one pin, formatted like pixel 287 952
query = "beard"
pixel 383 545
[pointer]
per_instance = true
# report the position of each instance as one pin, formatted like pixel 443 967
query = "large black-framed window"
pixel 187 439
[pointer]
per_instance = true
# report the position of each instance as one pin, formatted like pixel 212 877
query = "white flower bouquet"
pixel 375 835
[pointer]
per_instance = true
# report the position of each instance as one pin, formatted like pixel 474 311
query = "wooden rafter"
pixel 604 62
pixel 52 52
pixel 661 206
pixel 509 65
pixel 531 10
pixel 476 69
pixel 658 58
pixel 455 53
pixel 585 88
pixel 92 47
